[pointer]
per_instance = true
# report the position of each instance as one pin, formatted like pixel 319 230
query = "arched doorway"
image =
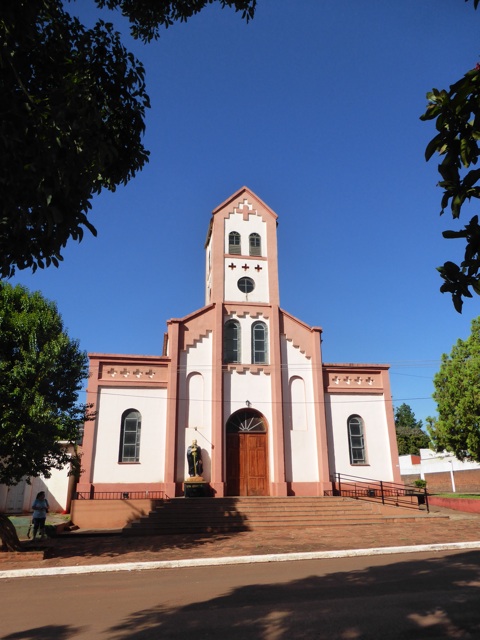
pixel 247 456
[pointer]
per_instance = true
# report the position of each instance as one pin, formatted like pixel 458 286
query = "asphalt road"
pixel 416 596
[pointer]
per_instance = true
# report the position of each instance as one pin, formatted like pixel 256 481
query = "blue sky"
pixel 315 106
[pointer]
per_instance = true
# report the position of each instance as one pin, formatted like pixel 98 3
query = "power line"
pixel 361 398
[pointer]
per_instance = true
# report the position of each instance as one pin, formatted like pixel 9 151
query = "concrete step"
pixel 252 521
pixel 228 528
pixel 202 515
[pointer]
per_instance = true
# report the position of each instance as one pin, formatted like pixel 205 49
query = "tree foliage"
pixel 41 373
pixel 457 118
pixel 410 436
pixel 457 394
pixel 147 16
pixel 72 116
pixel 72 106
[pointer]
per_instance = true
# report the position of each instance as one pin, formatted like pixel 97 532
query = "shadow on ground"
pixel 412 599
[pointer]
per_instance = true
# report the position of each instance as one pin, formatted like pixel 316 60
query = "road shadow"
pixel 48 632
pixel 116 546
pixel 412 599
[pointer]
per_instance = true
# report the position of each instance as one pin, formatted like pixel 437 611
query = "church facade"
pixel 243 378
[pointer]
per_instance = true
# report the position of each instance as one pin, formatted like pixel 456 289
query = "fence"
pixel 120 495
pixel 391 493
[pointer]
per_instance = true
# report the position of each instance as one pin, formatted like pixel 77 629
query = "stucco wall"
pixel 232 275
pixel 151 403
pixel 58 490
pixel 108 514
pixel 195 413
pixel 300 436
pixel 371 408
pixel 460 504
pixel 254 224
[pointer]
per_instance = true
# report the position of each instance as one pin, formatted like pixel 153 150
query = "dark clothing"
pixel 40 510
pixel 194 459
pixel 39 523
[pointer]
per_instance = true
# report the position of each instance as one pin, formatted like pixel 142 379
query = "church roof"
pixel 246 194
pixel 249 194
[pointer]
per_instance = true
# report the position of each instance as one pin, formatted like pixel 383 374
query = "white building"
pixel 246 380
pixel 58 490
pixel 442 470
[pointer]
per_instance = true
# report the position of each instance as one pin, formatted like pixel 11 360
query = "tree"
pixel 72 106
pixel 72 117
pixel 457 116
pixel 410 436
pixel 457 394
pixel 147 16
pixel 41 372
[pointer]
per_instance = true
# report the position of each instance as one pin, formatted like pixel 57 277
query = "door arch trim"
pixel 246 421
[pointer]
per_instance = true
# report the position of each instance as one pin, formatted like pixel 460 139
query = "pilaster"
pixel 218 479
pixel 278 485
pixel 172 408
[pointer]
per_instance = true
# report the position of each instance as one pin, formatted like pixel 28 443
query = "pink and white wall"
pixel 190 391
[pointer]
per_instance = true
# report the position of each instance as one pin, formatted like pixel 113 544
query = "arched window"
pixel 231 342
pixel 246 421
pixel 255 244
pixel 130 436
pixel 234 243
pixel 356 440
pixel 259 343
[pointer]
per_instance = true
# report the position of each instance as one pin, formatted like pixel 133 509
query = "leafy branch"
pixel 457 118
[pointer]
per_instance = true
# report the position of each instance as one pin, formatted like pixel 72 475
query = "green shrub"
pixel 420 484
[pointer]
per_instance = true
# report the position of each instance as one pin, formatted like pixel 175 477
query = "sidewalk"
pixel 93 548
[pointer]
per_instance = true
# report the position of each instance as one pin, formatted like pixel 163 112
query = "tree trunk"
pixel 8 535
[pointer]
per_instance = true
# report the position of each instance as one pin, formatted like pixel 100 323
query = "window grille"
pixel 130 436
pixel 259 343
pixel 234 246
pixel 231 346
pixel 255 244
pixel 356 440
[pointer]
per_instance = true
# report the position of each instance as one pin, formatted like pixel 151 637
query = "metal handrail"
pixel 120 495
pixel 392 493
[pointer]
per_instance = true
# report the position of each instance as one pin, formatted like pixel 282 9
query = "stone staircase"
pixel 215 515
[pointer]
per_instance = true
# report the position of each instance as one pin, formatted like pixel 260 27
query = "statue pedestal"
pixel 195 487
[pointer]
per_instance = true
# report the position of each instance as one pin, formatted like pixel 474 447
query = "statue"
pixel 194 458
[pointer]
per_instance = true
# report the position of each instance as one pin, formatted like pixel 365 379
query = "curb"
pixel 212 562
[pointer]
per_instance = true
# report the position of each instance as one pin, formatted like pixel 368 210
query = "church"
pixel 243 378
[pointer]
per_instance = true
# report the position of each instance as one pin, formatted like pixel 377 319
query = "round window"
pixel 246 285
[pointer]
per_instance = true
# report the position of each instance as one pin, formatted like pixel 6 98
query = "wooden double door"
pixel 247 466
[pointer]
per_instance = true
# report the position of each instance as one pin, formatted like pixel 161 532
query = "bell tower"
pixel 241 252
pixel 242 293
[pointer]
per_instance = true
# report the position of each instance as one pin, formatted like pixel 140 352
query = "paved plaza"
pixel 95 548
